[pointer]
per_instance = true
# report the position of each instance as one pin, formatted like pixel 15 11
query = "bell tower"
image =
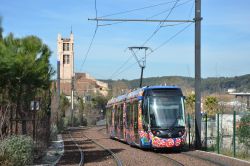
pixel 65 48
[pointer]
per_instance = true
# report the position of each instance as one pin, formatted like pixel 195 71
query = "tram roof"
pixel 137 93
pixel 161 87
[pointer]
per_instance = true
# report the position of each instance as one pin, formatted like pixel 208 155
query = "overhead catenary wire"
pixel 191 10
pixel 118 69
pixel 159 25
pixel 161 45
pixel 157 29
pixel 166 10
pixel 150 17
pixel 137 9
pixel 92 39
pixel 172 37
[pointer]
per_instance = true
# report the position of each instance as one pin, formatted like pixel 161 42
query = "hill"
pixel 209 85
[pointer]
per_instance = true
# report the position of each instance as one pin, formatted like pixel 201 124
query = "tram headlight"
pixel 181 133
pixel 156 133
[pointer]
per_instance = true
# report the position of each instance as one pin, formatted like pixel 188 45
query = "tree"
pixel 211 105
pixel 244 131
pixel 190 103
pixel 1 29
pixel 81 108
pixel 64 105
pixel 25 71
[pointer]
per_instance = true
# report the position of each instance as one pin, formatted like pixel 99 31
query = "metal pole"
pixel 141 76
pixel 218 133
pixel 206 131
pixel 234 132
pixel 198 74
pixel 72 99
pixel 189 131
pixel 141 62
pixel 58 91
pixel 136 20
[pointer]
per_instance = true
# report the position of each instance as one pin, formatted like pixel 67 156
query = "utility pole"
pixel 142 61
pixel 72 99
pixel 197 21
pixel 198 74
pixel 58 89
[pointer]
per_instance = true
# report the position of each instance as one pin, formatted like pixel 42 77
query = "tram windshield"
pixel 166 111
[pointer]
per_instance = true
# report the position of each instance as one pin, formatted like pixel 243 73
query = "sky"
pixel 225 35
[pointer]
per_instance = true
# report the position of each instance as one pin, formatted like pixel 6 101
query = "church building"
pixel 82 83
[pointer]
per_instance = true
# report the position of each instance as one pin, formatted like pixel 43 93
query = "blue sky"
pixel 225 35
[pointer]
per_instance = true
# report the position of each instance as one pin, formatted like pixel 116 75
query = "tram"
pixel 149 117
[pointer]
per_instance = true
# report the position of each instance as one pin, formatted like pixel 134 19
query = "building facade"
pixel 82 83
pixel 65 47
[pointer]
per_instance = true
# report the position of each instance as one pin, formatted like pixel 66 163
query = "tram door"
pixel 116 121
pixel 135 117
pixel 120 121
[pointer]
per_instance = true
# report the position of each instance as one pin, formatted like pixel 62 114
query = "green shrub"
pixel 16 150
pixel 244 131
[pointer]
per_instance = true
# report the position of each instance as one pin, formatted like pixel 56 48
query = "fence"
pixel 228 134
pixel 37 126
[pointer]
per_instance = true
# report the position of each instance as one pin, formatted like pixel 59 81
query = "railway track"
pixel 179 162
pixel 100 150
pixel 173 161
pixel 115 157
pixel 79 148
pixel 94 153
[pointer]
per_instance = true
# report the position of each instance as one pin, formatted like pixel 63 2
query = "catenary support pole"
pixel 58 91
pixel 206 132
pixel 198 74
pixel 72 100
pixel 189 132
pixel 142 68
pixel 234 132
pixel 218 133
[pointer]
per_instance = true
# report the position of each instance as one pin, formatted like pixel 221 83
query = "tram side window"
pixel 116 116
pixel 145 120
pixel 128 114
pixel 135 114
pixel 121 116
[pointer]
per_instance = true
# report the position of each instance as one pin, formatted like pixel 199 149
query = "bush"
pixel 16 150
pixel 244 131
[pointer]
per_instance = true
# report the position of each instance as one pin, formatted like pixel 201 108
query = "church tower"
pixel 65 48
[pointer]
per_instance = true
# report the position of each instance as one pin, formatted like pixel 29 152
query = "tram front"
pixel 164 117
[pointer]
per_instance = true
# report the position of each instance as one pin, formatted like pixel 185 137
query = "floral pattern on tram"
pixel 145 141
pixel 149 139
pixel 167 142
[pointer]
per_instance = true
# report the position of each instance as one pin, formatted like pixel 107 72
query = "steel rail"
pixel 118 161
pixel 80 150
pixel 175 162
